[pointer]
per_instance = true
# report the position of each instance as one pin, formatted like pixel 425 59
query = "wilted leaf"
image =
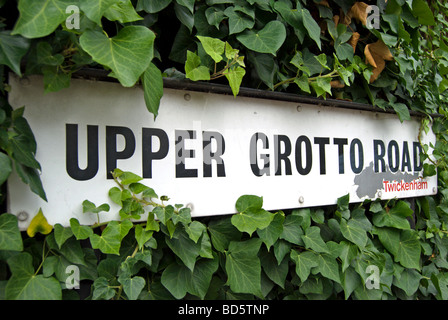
pixel 376 55
pixel 358 11
pixel 39 224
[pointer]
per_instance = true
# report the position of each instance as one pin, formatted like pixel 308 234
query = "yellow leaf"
pixel 376 55
pixel 39 224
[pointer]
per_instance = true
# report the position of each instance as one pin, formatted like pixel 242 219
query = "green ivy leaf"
pixel 102 290
pixel 292 229
pixel 132 286
pixel 128 54
pixel 10 237
pixel 243 267
pixel 238 20
pixel 272 232
pixel 423 12
pixel 152 82
pixel 311 26
pixel 396 217
pixel 304 261
pixel 213 47
pixel 267 40
pixel 222 231
pixel 109 241
pixel 403 244
pixel 352 232
pixel 40 18
pixel 193 69
pixel 94 10
pixel 25 285
pixel 328 267
pixel 122 11
pixel 235 77
pixel 185 248
pixel 313 240
pixel 408 280
pixel 12 50
pixel 61 234
pixel 80 232
pixel 5 167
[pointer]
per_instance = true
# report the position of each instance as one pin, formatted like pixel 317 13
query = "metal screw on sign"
pixel 301 199
pixel 187 97
pixel 22 216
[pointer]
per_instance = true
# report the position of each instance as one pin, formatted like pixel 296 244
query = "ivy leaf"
pixel 222 231
pixel 408 281
pixel 132 286
pixel 185 248
pixel 292 230
pixel 402 111
pixel 238 21
pixel 25 285
pixel 102 290
pixel 252 219
pixel 277 273
pixel 193 68
pixel 32 177
pixel 272 232
pixel 38 19
pixel 243 267
pixel 142 236
pixel 152 82
pixel 423 12
pixel 394 217
pixel 61 234
pixel 152 6
pixel 311 26
pixel 128 54
pixel 122 11
pixel 109 241
pixel 10 237
pixel 267 40
pixel 12 49
pixel 352 232
pixel 213 47
pixel 328 267
pixel 235 77
pixel 175 279
pixel 80 232
pixel 403 244
pixel 304 261
pixel 314 241
pixel 5 167
pixel 200 280
pixel 55 80
pixel 39 224
pixel 94 10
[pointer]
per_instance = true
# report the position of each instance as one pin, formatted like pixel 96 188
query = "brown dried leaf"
pixel 336 20
pixel 376 55
pixel 358 11
pixel 337 84
pixel 353 41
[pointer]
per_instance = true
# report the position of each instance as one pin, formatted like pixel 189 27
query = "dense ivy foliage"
pixel 329 49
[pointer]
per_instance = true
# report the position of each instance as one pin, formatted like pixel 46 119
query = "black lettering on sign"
pixel 341 142
pixel 264 156
pixel 71 154
pixel 418 165
pixel 112 154
pixel 282 156
pixel 304 170
pixel 182 154
pixel 379 151
pixel 148 154
pixel 322 142
pixel 393 156
pixel 356 168
pixel 209 155
pixel 406 158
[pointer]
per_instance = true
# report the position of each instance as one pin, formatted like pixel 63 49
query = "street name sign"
pixel 205 150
